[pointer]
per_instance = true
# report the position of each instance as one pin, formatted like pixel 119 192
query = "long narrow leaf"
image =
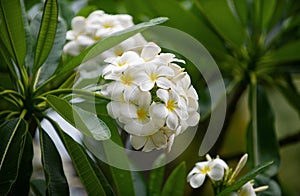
pixel 81 163
pixel 47 33
pixel 55 178
pixel 12 134
pixel 262 142
pixel 157 176
pixel 244 179
pixel 22 183
pixel 176 182
pixel 85 122
pixel 122 178
pixel 12 30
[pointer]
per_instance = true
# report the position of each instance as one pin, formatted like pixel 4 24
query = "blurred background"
pixel 246 38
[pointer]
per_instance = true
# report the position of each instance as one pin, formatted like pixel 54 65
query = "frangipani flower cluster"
pixel 152 96
pixel 86 31
pixel 221 175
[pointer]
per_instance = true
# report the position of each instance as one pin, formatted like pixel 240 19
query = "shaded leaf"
pixel 246 178
pixel 273 186
pixel 38 187
pixel 12 30
pixel 12 134
pixel 157 176
pixel 175 184
pixel 121 178
pixel 46 33
pixel 88 123
pixel 81 162
pixel 56 182
pixel 227 26
pixel 262 144
pixel 22 184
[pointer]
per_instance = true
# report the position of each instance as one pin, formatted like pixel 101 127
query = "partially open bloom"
pixel 213 168
pixel 248 190
pixel 150 100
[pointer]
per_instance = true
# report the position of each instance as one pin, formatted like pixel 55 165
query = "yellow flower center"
pixel 205 170
pixel 120 64
pixel 126 80
pixel 108 25
pixel 153 77
pixel 171 105
pixel 142 114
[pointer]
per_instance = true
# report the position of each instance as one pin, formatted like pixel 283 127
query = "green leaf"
pixel 157 176
pixel 220 16
pixel 289 91
pixel 88 123
pixel 273 187
pixel 246 178
pixel 268 8
pixel 12 133
pixel 241 10
pixel 106 43
pixel 56 181
pixel 12 30
pixel 122 178
pixel 175 184
pixel 22 184
pixel 38 187
pixel 195 26
pixel 286 53
pixel 262 144
pixel 81 162
pixel 46 33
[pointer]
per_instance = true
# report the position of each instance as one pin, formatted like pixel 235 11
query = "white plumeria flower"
pixel 213 168
pixel 150 51
pixel 152 74
pixel 173 108
pixel 119 64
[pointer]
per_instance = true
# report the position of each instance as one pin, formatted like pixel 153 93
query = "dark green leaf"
pixel 244 179
pixel 46 34
pixel 175 184
pixel 157 176
pixel 273 186
pixel 286 53
pixel 81 162
pixel 56 181
pixel 12 133
pixel 22 184
pixel 38 187
pixel 85 122
pixel 262 142
pixel 54 56
pixel 106 43
pixel 195 26
pixel 12 30
pixel 268 8
pixel 241 10
pixel 227 25
pixel 122 178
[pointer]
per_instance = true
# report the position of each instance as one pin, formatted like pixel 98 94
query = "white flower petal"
pixel 247 189
pixel 197 180
pixel 84 40
pixel 216 172
pixel 149 51
pixel 137 141
pixel 72 48
pixel 147 86
pixel 163 95
pixel 158 110
pixel 172 121
pixel 164 83
pixel 159 139
pixel 78 24
pixel 193 119
pixel 149 146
